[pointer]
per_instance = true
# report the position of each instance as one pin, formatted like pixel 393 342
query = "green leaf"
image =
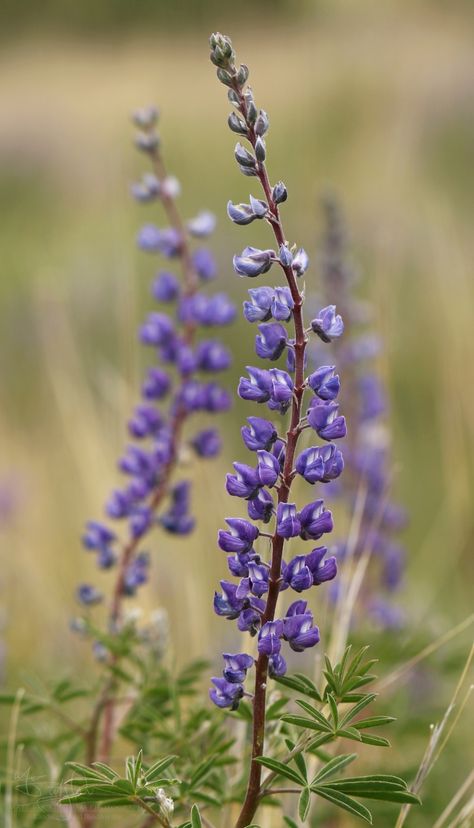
pixel 304 803
pixel 301 684
pixel 364 702
pixel 105 770
pixel 290 822
pixel 343 801
pixel 133 767
pixel 85 772
pixel 349 733
pixel 374 721
pixel 336 764
pixel 298 759
pixel 195 817
pixel 334 711
pixel 155 771
pixel 202 771
pixel 379 741
pixel 310 724
pixel 316 714
pixel 281 769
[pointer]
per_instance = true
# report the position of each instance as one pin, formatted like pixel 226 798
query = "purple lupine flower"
pixel 204 264
pixel 271 341
pixel 216 399
pixel 207 443
pixel 328 324
pixel 258 387
pixel 225 694
pixel 276 666
pixel 236 667
pixel 146 190
pixel 298 575
pixel 170 242
pixel 288 521
pixel 239 565
pixel 279 193
pixel 140 520
pixel 281 390
pixel 253 262
pixel 156 385
pixel 119 504
pixel 257 579
pixel 146 422
pixel 268 468
pixel 315 520
pixel 320 463
pixel 186 360
pixel 300 262
pixel 165 287
pixel 282 304
pixel 106 557
pixel 259 309
pixel 249 619
pixel 325 382
pixel 321 570
pixel 149 238
pixel 177 519
pixel 246 213
pixel 88 595
pixel 157 329
pixel 203 224
pixel 259 434
pixel 261 507
pixel 241 536
pixel 298 627
pixel 227 603
pixel 245 483
pixel 213 356
pixel 285 256
pixel 269 642
pixel 218 310
pixel 322 416
pixel 97 535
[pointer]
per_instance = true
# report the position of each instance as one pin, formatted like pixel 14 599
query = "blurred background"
pixel 374 100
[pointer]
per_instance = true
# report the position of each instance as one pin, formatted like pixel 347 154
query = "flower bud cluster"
pixel 265 483
pixel 179 382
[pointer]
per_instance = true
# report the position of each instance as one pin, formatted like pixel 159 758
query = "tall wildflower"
pixel 369 466
pixel 186 357
pixel 310 402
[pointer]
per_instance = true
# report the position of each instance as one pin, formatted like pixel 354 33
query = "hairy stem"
pixel 261 671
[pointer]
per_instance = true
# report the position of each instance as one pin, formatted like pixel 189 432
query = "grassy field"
pixel 375 103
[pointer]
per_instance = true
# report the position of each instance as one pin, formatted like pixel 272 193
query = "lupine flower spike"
pixel 265 483
pixel 178 383
pixel 367 449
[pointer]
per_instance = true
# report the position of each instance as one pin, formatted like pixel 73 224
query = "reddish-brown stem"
pixel 105 704
pixel 261 670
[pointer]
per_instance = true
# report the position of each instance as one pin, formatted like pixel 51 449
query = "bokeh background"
pixel 372 99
